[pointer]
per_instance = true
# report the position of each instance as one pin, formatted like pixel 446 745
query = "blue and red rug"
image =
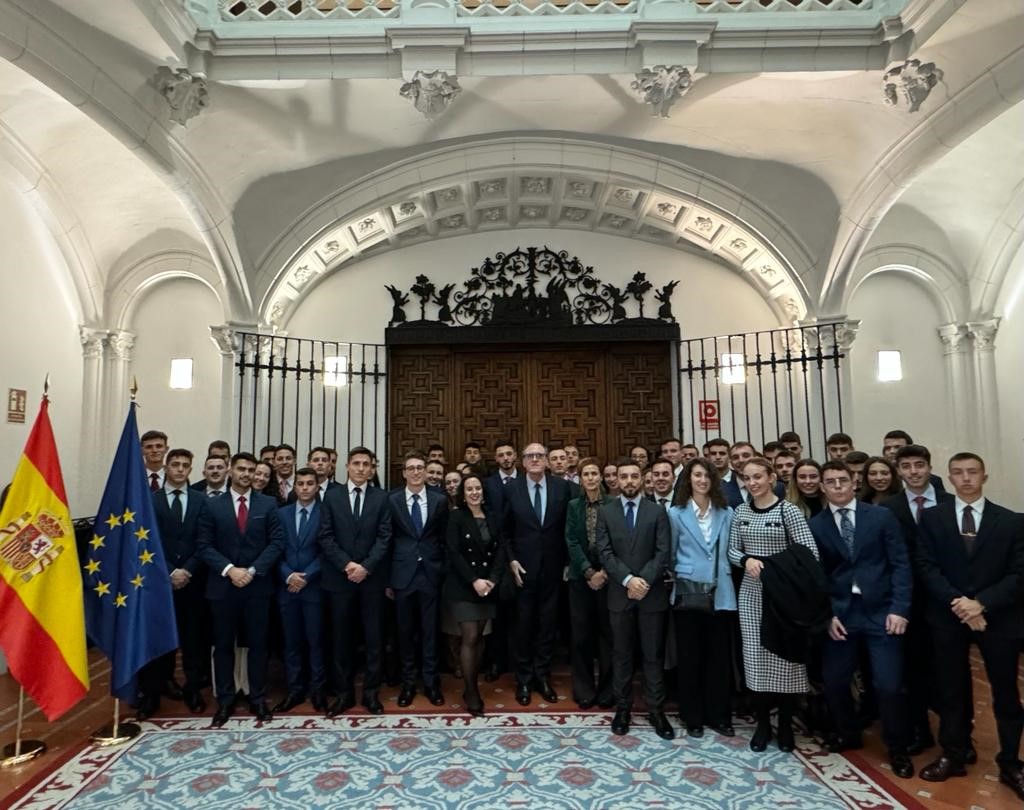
pixel 449 761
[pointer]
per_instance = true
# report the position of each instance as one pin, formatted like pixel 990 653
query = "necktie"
pixel 154 482
pixel 176 510
pixel 303 520
pixel 538 507
pixel 662 501
pixel 919 500
pixel 283 486
pixel 243 514
pixel 968 529
pixel 630 516
pixel 506 479
pixel 846 529
pixel 357 506
pixel 417 517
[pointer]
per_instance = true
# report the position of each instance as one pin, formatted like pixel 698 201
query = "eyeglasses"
pixel 415 468
pixel 533 456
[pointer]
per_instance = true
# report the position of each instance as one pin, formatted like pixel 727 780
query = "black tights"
pixel 764 702
pixel 470 653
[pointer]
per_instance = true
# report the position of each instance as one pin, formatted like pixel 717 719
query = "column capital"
pixel 226 339
pixel 121 344
pixel 983 333
pixel 94 341
pixel 953 337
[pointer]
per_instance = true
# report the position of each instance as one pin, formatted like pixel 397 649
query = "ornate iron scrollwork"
pixel 532 286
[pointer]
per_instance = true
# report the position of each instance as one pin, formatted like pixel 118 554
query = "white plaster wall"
pixel 1009 484
pixel 352 304
pixel 173 320
pixel 896 312
pixel 39 319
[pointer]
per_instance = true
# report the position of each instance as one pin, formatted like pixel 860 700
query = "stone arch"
pixel 138 279
pixel 503 184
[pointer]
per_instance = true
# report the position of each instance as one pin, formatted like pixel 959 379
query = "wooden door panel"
pixel 420 387
pixel 490 399
pixel 640 396
pixel 567 398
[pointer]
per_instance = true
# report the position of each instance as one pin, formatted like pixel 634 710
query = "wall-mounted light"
pixel 890 366
pixel 733 369
pixel 336 371
pixel 181 373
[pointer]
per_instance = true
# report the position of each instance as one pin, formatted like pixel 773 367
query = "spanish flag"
pixel 42 619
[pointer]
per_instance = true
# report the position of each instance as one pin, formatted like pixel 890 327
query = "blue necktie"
pixel 303 520
pixel 630 515
pixel 417 518
pixel 537 505
pixel 356 507
pixel 846 529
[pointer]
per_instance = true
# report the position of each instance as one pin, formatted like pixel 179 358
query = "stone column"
pixel 116 387
pixel 228 344
pixel 959 386
pixel 986 407
pixel 94 344
pixel 840 341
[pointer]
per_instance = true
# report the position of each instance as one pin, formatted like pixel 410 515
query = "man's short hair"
pixel 786 454
pixel 179 452
pixel 913 451
pixel 219 444
pixel 898 434
pixel 718 441
pixel 838 438
pixel 304 471
pixel 268 448
pixel 414 454
pixel 836 464
pixel 149 435
pixel 325 450
pixel 435 446
pixel 671 439
pixel 967 456
pixel 217 458
pixel 856 457
pixel 661 460
pixel 790 437
pixel 693 446
pixel 504 443
pixel 241 457
pixel 287 447
pixel 744 444
pixel 471 446
pixel 360 451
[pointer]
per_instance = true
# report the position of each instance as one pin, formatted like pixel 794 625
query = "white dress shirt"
pixel 978 507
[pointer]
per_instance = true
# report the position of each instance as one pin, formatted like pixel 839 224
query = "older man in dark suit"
pixel 355 536
pixel 971 557
pixel 533 524
pixel 240 539
pixel 634 541
pixel 868 569
pixel 419 518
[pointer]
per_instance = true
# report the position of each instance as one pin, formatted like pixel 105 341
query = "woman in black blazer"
pixel 476 562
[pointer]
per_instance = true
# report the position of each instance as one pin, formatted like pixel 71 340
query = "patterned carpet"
pixel 449 761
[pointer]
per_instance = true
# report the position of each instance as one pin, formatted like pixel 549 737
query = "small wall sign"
pixel 16 400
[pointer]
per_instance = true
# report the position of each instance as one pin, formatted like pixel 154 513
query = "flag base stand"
pixel 116 733
pixel 20 752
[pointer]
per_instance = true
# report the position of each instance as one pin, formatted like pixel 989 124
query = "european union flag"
pixel 129 609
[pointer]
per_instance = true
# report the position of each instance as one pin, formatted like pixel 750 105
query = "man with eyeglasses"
pixel 534 528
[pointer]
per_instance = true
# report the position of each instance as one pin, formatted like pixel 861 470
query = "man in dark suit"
pixel 240 539
pixel 319 460
pixel 971 559
pixel 533 522
pixel 419 519
pixel 634 541
pixel 494 487
pixel 177 518
pixel 299 594
pixel 891 444
pixel 215 477
pixel 355 537
pixel 865 559
pixel 915 469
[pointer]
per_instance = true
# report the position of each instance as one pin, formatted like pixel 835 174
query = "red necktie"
pixel 919 500
pixel 243 514
pixel 154 482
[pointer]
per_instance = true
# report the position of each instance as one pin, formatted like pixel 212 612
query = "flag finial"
pixel 135 387
pixel 46 384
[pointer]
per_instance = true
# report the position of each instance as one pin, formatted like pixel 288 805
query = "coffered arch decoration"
pixel 538 184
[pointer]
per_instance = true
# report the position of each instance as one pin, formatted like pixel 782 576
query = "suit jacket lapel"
pixel 989 519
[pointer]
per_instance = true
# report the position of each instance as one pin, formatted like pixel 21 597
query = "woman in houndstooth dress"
pixel 766 526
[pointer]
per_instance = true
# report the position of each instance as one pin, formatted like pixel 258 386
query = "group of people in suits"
pixel 899 587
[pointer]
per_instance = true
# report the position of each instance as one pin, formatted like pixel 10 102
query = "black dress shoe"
pixel 492 673
pixel 406 695
pixel 289 703
pixel 260 711
pixel 620 723
pixel 523 694
pixel 725 729
pixel 942 769
pixel 372 704
pixel 194 701
pixel 434 695
pixel 172 690
pixel 1013 779
pixel 759 742
pixel 662 727
pixel 836 744
pixel 340 705
pixel 148 706
pixel 694 730
pixel 921 743
pixel 971 757
pixel 223 713
pixel 586 703
pixel 902 766
pixel 474 704
pixel 543 688
pixel 318 700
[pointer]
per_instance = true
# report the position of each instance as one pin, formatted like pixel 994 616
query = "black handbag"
pixel 697 596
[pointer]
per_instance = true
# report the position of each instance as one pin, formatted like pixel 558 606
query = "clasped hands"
pixel 637 588
pixel 296 581
pixel 969 612
pixel 355 572
pixel 240 577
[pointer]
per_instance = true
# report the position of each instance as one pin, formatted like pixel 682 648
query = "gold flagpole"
pixel 117 733
pixel 21 751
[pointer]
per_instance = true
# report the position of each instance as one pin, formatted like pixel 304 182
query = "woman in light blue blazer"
pixel 701 519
